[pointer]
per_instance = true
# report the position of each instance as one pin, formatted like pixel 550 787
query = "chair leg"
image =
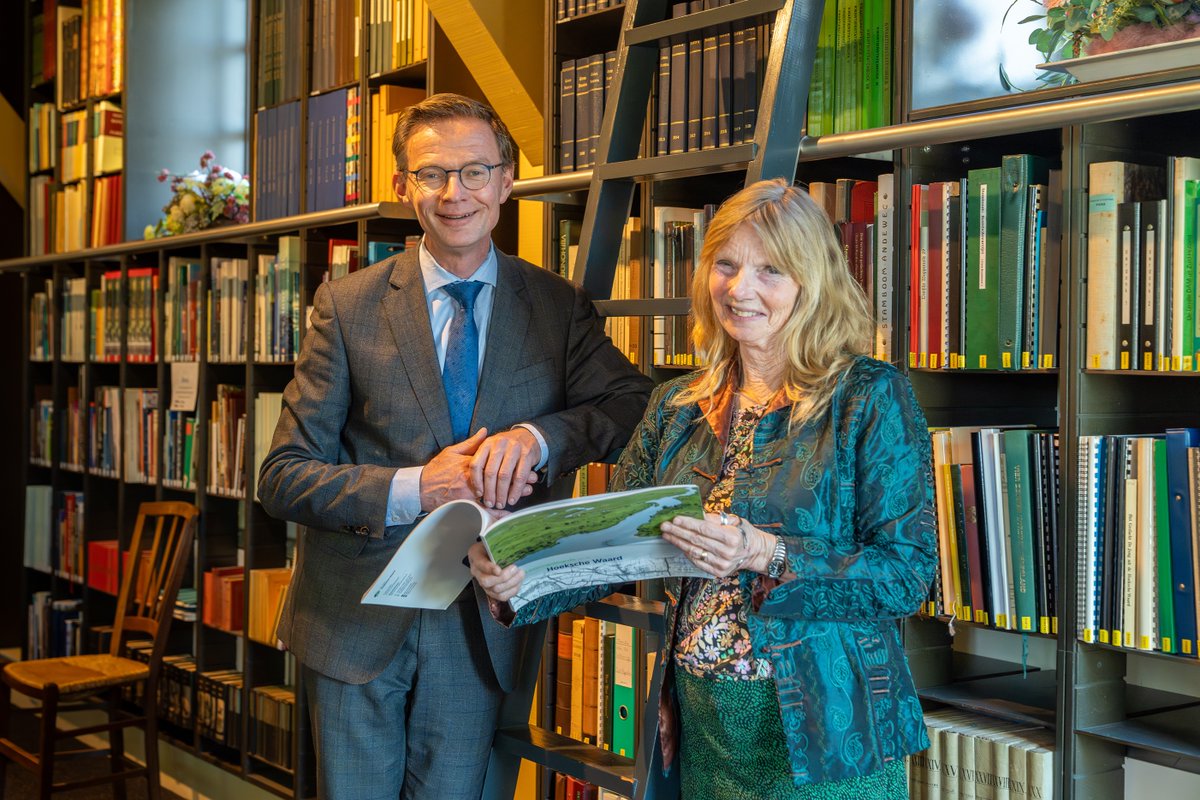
pixel 152 777
pixel 48 742
pixel 5 700
pixel 116 743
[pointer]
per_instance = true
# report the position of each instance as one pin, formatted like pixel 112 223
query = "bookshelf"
pixel 1103 704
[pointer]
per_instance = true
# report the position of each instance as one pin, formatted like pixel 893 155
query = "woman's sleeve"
pixel 635 470
pixel 886 570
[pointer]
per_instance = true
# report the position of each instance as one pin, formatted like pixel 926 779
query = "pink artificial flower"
pixel 1054 3
pixel 163 175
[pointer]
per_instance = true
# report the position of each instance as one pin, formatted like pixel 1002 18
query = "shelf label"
pixel 184 382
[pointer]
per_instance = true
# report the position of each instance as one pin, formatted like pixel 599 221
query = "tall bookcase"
pixel 1105 704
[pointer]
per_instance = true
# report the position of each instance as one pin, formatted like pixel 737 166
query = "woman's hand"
pixel 720 544
pixel 498 584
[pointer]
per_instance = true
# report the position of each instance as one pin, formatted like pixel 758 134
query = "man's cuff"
pixel 541 440
pixel 404 496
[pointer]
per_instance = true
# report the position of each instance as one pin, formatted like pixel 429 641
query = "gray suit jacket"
pixel 367 399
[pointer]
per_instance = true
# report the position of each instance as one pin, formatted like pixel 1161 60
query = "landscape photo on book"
pixel 587 541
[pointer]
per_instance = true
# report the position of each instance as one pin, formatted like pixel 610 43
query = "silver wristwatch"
pixel 778 563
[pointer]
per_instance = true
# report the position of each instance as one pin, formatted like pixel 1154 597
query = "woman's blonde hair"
pixel 830 324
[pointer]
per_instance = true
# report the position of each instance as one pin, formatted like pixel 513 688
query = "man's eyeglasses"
pixel 471 176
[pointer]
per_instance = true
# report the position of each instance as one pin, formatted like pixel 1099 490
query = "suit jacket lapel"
pixel 408 317
pixel 511 313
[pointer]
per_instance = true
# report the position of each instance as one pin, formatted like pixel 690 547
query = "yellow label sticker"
pixel 1006 360
pixel 1125 360
pixel 1103 636
pixel 983 360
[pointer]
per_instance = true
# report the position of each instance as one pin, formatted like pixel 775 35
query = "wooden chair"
pixel 158 555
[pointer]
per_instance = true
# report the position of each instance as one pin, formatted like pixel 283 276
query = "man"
pixel 454 371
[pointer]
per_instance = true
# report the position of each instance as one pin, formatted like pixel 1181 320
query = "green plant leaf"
pixel 1145 13
pixel 1034 18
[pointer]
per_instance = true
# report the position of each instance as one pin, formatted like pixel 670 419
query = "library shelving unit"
pixel 1104 704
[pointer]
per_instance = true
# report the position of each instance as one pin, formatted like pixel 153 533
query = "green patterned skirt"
pixel 732 747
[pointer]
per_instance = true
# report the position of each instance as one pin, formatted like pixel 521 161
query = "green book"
pixel 1162 536
pixel 822 91
pixel 983 263
pixel 1017 172
pixel 1019 498
pixel 623 720
pixel 1191 193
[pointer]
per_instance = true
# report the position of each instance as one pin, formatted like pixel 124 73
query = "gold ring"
pixel 703 556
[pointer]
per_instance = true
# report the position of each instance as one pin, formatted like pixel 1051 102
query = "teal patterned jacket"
pixel 851 493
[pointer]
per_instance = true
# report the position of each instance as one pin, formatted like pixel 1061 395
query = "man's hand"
pixel 447 476
pixel 502 467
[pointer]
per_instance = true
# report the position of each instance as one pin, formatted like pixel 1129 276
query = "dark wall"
pixel 12 420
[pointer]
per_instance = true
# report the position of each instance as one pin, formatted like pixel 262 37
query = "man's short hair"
pixel 446 106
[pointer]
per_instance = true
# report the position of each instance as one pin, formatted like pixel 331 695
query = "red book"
pixel 916 276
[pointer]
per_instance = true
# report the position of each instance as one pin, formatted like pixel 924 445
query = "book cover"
pixel 581 541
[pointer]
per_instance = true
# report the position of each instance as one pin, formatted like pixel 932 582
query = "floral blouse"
pixel 713 639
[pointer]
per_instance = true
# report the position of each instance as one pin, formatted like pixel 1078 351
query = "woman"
pixel 785 670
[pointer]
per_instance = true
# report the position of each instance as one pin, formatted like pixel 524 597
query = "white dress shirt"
pixel 404 497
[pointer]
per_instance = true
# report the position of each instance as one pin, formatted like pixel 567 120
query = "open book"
pixel 584 541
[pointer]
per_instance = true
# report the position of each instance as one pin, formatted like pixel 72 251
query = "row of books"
pixel 224 591
pixel 595 695
pixel 984 268
pixel 108 212
pixel 179 449
pixel 104 562
pixel 336 27
pixel 54 626
pixel 625 332
pixel 227 282
pixel 397 34
pixel 267 408
pixel 997 496
pixel 90 438
pixel 1137 569
pixel 863 213
pixel 280 51
pixel 678 240
pixel 569 9
pixel 276 159
pixel 226 441
pixel 43 137
pixel 141 435
pixel 54 532
pixel 583 87
pixel 41 328
pixel 272 727
pixel 852 69
pixel 709 85
pixel 219 706
pixel 333 136
pixel 1142 252
pixel 43 42
pixel 268 590
pixel 971 756
pixel 80 48
pixel 98 131
pixel 91 319
pixel 386 104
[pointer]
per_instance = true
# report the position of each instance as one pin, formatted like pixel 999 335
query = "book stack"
pixel 280 51
pixel 226 441
pixel 1137 548
pixel 852 71
pixel 181 309
pixel 219 706
pixel 997 495
pixel 277 161
pixel 103 573
pixel 678 238
pixel 984 268
pixel 141 435
pixel 223 598
pixel 972 756
pixel 397 35
pixel 277 303
pixel 386 104
pixel 228 279
pixel 268 588
pixel 272 714
pixel 335 32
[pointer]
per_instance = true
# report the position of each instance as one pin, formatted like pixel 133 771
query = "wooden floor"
pixel 20 784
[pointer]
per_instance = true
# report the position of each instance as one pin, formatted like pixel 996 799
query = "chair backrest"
pixel 157 557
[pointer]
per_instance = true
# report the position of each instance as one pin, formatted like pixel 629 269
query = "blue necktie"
pixel 460 373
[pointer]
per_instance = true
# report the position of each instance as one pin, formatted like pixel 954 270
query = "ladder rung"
pixel 568 756
pixel 680 165
pixel 643 307
pixel 624 609
pixel 657 32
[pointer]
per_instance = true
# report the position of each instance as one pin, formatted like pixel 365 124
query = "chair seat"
pixel 75 674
